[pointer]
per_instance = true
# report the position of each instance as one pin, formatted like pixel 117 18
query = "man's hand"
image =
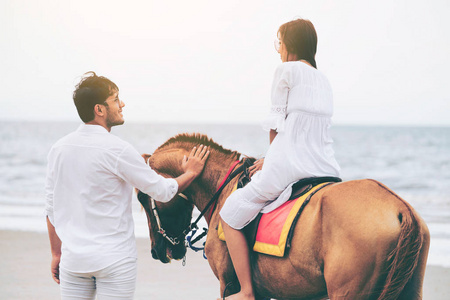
pixel 195 163
pixel 257 165
pixel 55 268
pixel 192 166
pixel 55 247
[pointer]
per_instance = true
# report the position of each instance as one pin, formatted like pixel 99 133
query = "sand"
pixel 25 273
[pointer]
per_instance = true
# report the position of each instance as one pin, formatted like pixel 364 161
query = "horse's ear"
pixel 146 157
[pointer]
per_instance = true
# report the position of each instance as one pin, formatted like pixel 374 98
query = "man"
pixel 90 178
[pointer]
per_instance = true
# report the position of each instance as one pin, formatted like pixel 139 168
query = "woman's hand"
pixel 257 165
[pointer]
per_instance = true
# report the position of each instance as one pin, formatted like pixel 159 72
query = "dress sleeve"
pixel 132 168
pixel 280 91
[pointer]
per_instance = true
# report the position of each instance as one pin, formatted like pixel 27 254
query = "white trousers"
pixel 117 281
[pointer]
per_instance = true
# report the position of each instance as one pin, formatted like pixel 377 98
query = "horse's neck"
pixel 211 179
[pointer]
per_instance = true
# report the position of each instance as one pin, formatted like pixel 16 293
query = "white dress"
pixel 302 106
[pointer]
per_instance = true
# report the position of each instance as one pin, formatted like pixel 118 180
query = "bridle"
pixel 193 226
pixel 173 240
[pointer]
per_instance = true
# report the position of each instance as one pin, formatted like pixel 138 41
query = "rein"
pixel 222 184
pixel 193 226
pixel 230 176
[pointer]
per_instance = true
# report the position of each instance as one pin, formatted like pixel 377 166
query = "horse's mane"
pixel 187 140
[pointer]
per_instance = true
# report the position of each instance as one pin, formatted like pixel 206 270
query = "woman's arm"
pixel 260 162
pixel 273 134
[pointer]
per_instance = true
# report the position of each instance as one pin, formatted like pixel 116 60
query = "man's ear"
pixel 99 110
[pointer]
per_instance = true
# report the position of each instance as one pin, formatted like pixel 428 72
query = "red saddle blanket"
pixel 274 227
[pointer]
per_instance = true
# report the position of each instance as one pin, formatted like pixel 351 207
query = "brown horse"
pixel 354 240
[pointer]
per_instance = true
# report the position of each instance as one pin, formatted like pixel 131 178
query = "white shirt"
pixel 90 179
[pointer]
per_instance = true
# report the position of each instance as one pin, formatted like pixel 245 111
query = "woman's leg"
pixel 240 208
pixel 239 253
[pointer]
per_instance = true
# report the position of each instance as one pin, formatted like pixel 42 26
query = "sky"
pixel 204 61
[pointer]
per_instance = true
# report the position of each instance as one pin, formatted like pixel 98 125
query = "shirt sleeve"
pixel 49 187
pixel 132 168
pixel 280 92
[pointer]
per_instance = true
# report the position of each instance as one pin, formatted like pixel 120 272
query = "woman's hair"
pixel 92 90
pixel 300 38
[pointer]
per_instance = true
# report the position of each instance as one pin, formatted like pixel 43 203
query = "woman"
pixel 300 142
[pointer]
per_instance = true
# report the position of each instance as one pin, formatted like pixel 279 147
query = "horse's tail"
pixel 405 256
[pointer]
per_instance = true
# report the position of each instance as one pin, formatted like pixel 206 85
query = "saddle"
pixel 279 223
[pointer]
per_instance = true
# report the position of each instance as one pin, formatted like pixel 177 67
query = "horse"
pixel 354 240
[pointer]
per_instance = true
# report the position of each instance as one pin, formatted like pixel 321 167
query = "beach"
pixel 413 162
pixel 25 273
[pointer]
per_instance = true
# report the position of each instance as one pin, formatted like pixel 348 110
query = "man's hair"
pixel 92 90
pixel 300 38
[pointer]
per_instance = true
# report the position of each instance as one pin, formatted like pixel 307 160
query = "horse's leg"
pixel 348 275
pixel 413 289
pixel 355 244
pixel 351 276
pixel 351 268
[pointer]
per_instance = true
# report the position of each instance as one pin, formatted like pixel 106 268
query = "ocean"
pixel 413 161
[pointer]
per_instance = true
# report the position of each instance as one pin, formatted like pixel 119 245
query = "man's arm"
pixel 55 242
pixel 55 246
pixel 134 170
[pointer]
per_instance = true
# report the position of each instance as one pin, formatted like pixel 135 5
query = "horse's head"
pixel 167 236
pixel 175 215
pixel 167 224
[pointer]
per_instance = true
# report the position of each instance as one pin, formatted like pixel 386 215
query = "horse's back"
pixel 364 208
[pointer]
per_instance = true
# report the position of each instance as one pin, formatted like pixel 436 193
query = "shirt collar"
pixel 92 128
